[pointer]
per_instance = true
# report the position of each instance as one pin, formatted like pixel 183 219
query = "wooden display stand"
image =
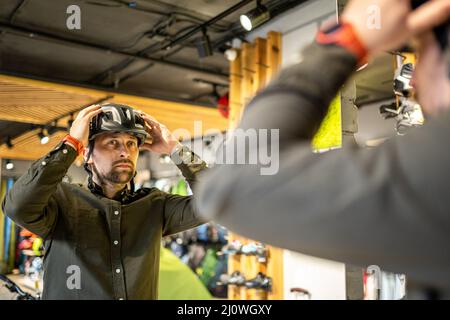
pixel 256 63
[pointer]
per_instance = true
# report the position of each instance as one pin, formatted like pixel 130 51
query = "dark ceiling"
pixel 142 47
pixel 126 46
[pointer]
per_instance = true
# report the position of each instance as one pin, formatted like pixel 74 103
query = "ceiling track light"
pixel 9 165
pixel 44 138
pixel 70 122
pixel 9 142
pixel 51 130
pixel 255 17
pixel 231 54
pixel 203 45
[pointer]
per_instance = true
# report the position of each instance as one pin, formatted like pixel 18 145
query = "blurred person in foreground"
pixel 389 205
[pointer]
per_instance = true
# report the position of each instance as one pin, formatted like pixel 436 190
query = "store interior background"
pixel 322 279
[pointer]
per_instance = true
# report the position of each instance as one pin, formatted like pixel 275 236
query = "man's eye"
pixel 113 142
pixel 132 143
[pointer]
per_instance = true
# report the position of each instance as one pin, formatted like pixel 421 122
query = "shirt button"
pixel 117 270
pixel 116 242
pixel 65 151
pixel 116 213
pixel 43 163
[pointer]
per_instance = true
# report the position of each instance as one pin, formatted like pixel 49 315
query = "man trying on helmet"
pixel 102 241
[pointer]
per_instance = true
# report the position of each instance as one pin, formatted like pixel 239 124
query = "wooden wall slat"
pixel 261 66
pixel 273 57
pixel 235 90
pixel 248 73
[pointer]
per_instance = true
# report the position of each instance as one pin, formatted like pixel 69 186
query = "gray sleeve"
pixel 386 206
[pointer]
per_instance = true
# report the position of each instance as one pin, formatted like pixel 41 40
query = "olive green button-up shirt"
pixel 96 247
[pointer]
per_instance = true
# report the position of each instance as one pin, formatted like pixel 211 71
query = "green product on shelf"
pixel 177 281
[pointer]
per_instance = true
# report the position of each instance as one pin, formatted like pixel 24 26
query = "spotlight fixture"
pixel 231 54
pixel 255 17
pixel 70 122
pixel 9 165
pixel 52 129
pixel 9 143
pixel 203 45
pixel 44 138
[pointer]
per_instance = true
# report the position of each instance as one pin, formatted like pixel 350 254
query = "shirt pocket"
pixel 91 231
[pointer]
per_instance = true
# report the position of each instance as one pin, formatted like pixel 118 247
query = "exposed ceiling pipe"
pixel 5 27
pixel 208 23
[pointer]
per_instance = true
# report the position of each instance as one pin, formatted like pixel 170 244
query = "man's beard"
pixel 115 175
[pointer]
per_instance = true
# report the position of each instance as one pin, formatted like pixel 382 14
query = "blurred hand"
pixel 384 25
pixel 161 140
pixel 430 79
pixel 80 126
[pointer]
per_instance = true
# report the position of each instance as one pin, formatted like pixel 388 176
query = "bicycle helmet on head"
pixel 118 118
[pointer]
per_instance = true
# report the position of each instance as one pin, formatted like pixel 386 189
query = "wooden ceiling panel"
pixel 38 102
pixel 29 147
pixel 23 102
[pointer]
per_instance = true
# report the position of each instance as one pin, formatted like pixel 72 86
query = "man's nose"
pixel 124 151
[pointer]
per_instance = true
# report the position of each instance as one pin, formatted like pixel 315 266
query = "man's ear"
pixel 85 155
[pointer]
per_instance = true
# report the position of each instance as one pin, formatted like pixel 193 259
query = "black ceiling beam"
pixel 99 78
pixel 135 73
pixel 276 8
pixel 6 27
pixel 171 10
pixel 208 23
pixel 201 27
pixel 16 11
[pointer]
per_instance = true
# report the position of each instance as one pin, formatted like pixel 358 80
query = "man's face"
pixel 114 157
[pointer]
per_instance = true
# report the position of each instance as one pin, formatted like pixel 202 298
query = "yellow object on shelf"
pixel 329 135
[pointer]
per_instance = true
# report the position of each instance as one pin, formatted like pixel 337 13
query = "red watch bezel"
pixel 346 37
pixel 75 142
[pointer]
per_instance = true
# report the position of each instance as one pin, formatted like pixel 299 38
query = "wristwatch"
pixel 75 142
pixel 181 154
pixel 343 34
